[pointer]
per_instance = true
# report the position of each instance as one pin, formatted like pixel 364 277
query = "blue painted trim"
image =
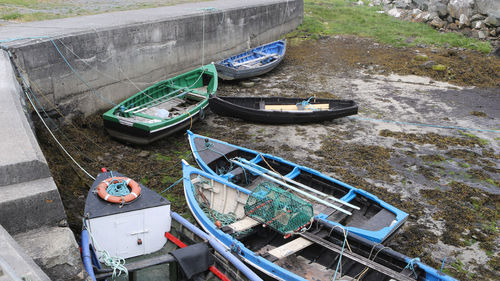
pixel 377 236
pixel 276 47
pixel 86 255
pixel 431 274
pixel 229 242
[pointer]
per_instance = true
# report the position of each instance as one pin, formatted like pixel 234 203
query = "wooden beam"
pixel 356 257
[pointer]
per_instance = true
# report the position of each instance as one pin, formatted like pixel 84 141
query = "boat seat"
pixel 287 249
pixel 382 219
pixel 240 225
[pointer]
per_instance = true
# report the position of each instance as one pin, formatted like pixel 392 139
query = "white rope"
pixel 117 263
pixel 53 136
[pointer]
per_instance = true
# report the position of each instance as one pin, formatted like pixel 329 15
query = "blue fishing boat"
pixel 254 62
pixel 334 201
pixel 276 233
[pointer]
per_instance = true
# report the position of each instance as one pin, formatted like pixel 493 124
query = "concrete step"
pixel 55 250
pixel 20 156
pixel 14 261
pixel 30 205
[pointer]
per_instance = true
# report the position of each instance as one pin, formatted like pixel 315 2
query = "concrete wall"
pixel 145 48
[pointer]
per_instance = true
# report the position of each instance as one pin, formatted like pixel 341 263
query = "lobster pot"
pixel 132 229
pixel 278 208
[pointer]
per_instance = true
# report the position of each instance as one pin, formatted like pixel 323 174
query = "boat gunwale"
pixel 153 127
pixel 378 236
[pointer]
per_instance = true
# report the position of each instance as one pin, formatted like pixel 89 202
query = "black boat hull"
pixel 241 107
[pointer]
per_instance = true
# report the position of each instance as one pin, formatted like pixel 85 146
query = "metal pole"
pixel 291 187
pixel 297 183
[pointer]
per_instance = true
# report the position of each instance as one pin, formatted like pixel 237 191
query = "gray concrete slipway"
pixel 146 45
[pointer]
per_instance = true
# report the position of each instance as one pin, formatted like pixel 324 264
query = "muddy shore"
pixel 447 179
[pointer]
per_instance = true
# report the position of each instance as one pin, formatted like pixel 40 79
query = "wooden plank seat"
pixel 287 249
pixel 240 225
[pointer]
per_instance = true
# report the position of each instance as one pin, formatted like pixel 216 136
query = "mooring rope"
pixel 341 254
pixel 116 263
pixel 54 137
pixel 411 265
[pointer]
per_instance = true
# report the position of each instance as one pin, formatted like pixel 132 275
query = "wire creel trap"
pixel 278 208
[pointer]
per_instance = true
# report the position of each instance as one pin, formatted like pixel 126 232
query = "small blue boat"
pixel 278 248
pixel 254 62
pixel 336 202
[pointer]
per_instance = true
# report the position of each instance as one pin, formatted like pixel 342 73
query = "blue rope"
pixel 423 125
pixel 341 253
pixel 442 265
pixel 174 184
pixel 411 265
pixel 307 104
pixel 117 187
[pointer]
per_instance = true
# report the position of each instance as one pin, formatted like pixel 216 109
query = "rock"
pixel 439 8
pixel 428 64
pixel 395 12
pixel 477 17
pixel 422 4
pixel 439 67
pixel 143 154
pixel 449 19
pixel 453 26
pixel 360 3
pixel 493 32
pixel 421 57
pixel 416 12
pixel 479 34
pixel 496 52
pixel 498 30
pixel 434 50
pixel 402 4
pixel 492 21
pixel 488 7
pixel 438 23
pixel 247 84
pixel 467 31
pixel 463 21
pixel 477 24
pixel 460 7
pixel 422 17
pixel 63 223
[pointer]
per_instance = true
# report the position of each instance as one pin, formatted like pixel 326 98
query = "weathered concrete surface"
pixel 22 160
pixel 61 262
pixel 30 197
pixel 30 205
pixel 142 45
pixel 19 263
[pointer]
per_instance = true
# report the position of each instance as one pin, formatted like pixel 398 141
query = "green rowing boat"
pixel 164 108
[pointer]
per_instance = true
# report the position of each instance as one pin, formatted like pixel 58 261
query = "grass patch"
pixel 331 17
pixel 11 16
pixel 472 136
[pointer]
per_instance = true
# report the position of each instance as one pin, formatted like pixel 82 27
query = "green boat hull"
pixel 164 108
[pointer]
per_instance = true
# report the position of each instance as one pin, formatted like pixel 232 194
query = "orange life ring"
pixel 133 185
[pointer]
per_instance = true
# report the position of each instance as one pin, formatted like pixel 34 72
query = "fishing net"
pixel 278 208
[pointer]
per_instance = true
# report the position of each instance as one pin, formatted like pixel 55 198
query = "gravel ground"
pixel 447 179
